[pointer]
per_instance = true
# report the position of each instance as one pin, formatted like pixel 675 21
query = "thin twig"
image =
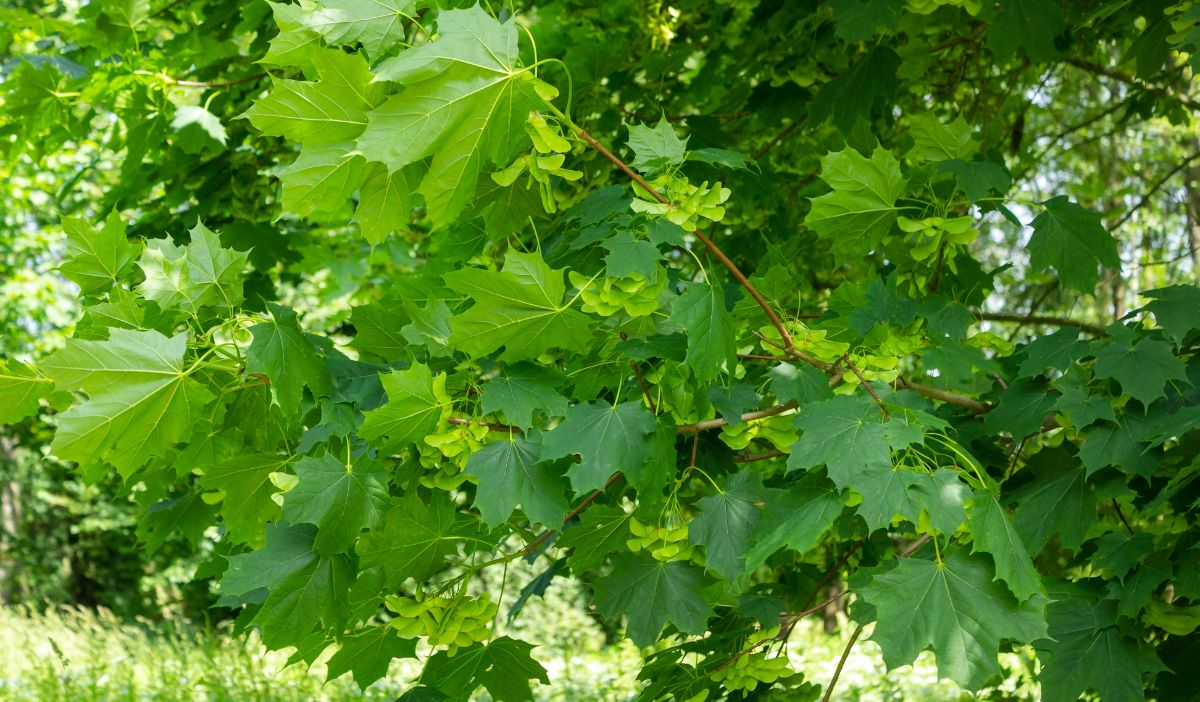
pixel 854 369
pixel 760 456
pixel 1153 189
pixel 1117 506
pixel 219 84
pixel 747 417
pixel 645 388
pixel 493 426
pixel 587 501
pixel 1039 319
pixel 837 672
pixel 775 140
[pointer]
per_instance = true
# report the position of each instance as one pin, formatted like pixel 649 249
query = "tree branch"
pixel 747 417
pixel 1097 69
pixel 708 243
pixel 1039 319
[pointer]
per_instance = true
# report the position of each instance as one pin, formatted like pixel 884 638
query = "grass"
pixel 77 655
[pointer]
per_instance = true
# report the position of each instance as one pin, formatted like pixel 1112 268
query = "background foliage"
pixel 767 307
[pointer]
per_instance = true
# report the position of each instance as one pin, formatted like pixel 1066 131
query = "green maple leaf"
pixel 304 589
pixel 188 516
pixel 417 403
pixel 628 255
pixel 1059 503
pixel 1118 553
pixel 711 333
pixel 1176 309
pixel 1088 651
pixel 465 102
pixel 1083 409
pixel 1021 409
pixel 141 398
pixel 21 388
pixel 993 533
pixel 384 202
pixel 601 530
pixel 281 352
pixel 198 274
pixel 1072 240
pixel 519 390
pixel 799 384
pixel 321 179
pixel 519 308
pixel 845 433
pixel 935 141
pixel 795 518
pixel 341 500
pixel 607 438
pixel 510 473
pixel 1116 444
pixel 245 481
pixel 861 208
pixel 414 541
pixel 1142 369
pixel 367 653
pixel 330 110
pixel 1057 350
pixel 1030 25
pixel 978 179
pixel 727 523
pixel 953 608
pixel 651 593
pixel 851 97
pixel 503 667
pixel 376 24
pixel 97 257
pixel 295 44
pixel 655 149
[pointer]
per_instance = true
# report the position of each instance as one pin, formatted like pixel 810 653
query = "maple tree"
pixel 700 300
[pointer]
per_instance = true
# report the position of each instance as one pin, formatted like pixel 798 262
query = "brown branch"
pixel 219 84
pixel 760 456
pixel 837 672
pixel 645 388
pixel 775 140
pixel 833 570
pixel 854 369
pixel 587 502
pixel 747 417
pixel 1039 319
pixel 493 426
pixel 1153 189
pixel 950 398
pixel 1097 69
pixel 708 243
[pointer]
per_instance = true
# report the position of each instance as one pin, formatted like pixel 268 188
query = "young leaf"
pixel 97 257
pixel 862 206
pixel 378 25
pixel 465 101
pixel 141 398
pixel 20 390
pixel 655 149
pixel 417 404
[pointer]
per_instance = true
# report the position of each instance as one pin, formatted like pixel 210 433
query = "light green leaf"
pixel 198 274
pixel 465 102
pixel 415 539
pixel 655 149
pixel 377 24
pixel 330 110
pixel 601 530
pixel 936 141
pixel 321 179
pixel 860 210
pixel 141 400
pixel 953 608
pixel 417 404
pixel 384 202
pixel 520 308
pixel 20 390
pixel 341 500
pixel 97 256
